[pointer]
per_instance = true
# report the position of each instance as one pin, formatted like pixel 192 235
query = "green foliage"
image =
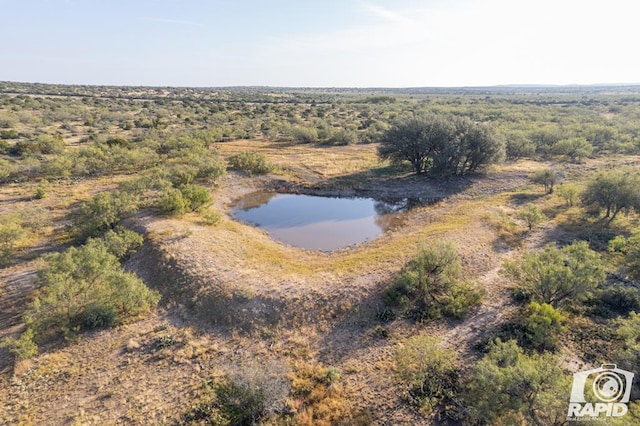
pixel 630 250
pixel 574 148
pixel 81 287
pixel 195 196
pixel 45 144
pixel 23 347
pixel 441 145
pixel 7 170
pixel 103 212
pixel 430 285
pixel 10 235
pixel 173 203
pixel 617 299
pixel 177 201
pixel 41 189
pixel 121 242
pixel 251 163
pixel 428 373
pixel 568 192
pixel 544 325
pixel 613 191
pixel 628 354
pixel 531 215
pixel 98 317
pixel 519 146
pixel 509 387
pixel 547 178
pixel 558 276
pixel 210 217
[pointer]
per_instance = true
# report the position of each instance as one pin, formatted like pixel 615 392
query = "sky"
pixel 320 43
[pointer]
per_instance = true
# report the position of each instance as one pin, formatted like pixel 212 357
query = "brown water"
pixel 320 223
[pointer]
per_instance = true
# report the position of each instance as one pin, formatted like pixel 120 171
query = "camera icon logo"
pixel 604 390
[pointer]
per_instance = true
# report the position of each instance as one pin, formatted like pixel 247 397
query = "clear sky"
pixel 320 43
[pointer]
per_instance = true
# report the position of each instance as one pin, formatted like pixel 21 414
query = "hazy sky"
pixel 338 43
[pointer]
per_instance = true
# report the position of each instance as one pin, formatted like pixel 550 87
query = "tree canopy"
pixel 441 145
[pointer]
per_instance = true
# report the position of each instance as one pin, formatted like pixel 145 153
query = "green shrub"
pixel 630 250
pixel 23 347
pixel 428 373
pixel 616 300
pixel 558 276
pixel 121 242
pixel 98 317
pixel 252 163
pixel 11 234
pixel 531 215
pixel 41 189
pixel 82 279
pixel 547 178
pixel 430 285
pixel 173 203
pixel 196 197
pixel 210 217
pixel 568 192
pixel 508 387
pixel 103 212
pixel 544 325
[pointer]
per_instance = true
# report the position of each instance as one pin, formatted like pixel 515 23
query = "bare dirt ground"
pixel 232 294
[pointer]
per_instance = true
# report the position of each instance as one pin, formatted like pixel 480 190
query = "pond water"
pixel 320 223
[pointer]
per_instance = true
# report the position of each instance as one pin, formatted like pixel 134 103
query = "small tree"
pixel 558 276
pixel 613 191
pixel 568 192
pixel 532 215
pixel 430 285
pixel 548 178
pixel 510 387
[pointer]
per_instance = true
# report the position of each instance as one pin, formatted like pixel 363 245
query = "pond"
pixel 320 223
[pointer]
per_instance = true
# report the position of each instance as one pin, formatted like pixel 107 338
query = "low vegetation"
pixel 528 269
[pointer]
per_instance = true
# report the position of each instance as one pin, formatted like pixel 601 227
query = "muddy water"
pixel 320 223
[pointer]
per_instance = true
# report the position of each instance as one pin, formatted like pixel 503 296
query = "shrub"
pixel 429 374
pixel 531 215
pixel 617 300
pixel 84 279
pixel 172 202
pixel 98 317
pixel 568 192
pixel 430 285
pixel 251 163
pixel 558 276
pixel 544 324
pixel 195 196
pixel 630 250
pixel 104 211
pixel 121 242
pixel 23 347
pixel 613 192
pixel 509 387
pixel 547 178
pixel 210 217
pixel 10 235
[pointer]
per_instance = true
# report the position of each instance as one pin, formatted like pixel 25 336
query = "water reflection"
pixel 321 223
